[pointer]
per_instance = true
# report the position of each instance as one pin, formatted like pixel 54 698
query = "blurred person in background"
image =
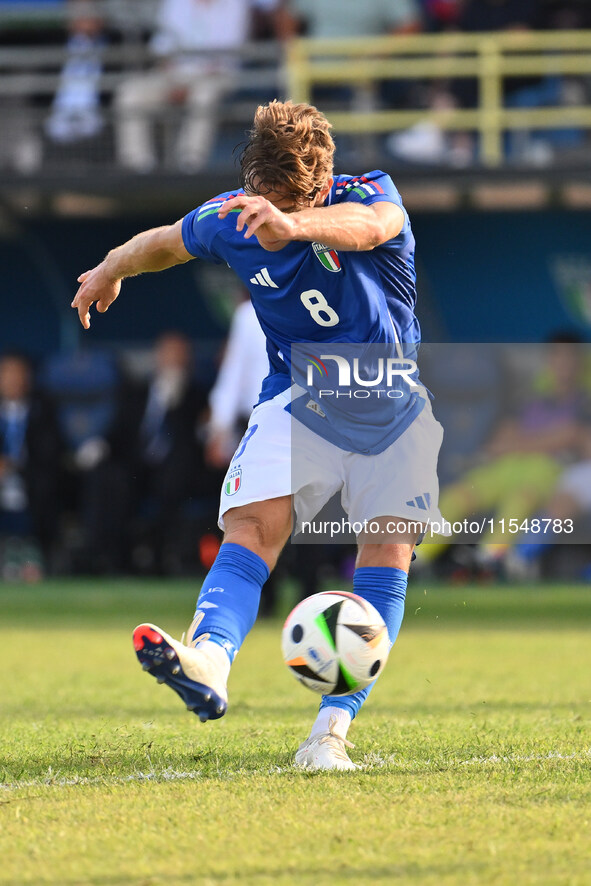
pixel 343 19
pixel 30 455
pixel 505 15
pixel 76 112
pixel 426 142
pixel 441 15
pixel 566 518
pixel 156 459
pixel 527 455
pixel 498 15
pixel 332 19
pixel 193 46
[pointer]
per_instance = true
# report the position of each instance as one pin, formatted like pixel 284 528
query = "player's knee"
pixel 257 533
pixel 131 96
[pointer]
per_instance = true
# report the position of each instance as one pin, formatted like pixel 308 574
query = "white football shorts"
pixel 279 456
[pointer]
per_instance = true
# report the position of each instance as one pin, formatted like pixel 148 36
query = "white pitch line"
pixel 533 758
pixel 370 761
pixel 53 780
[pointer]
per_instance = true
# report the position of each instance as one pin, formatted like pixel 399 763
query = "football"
pixel 335 643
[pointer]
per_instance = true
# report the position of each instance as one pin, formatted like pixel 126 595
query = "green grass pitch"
pixel 475 744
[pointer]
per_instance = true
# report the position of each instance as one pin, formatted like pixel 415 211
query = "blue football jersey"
pixel 307 292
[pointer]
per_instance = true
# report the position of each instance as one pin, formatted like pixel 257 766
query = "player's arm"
pixel 347 226
pixel 153 250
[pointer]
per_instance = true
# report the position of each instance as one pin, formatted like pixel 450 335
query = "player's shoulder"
pixel 209 209
pixel 368 187
pixel 202 225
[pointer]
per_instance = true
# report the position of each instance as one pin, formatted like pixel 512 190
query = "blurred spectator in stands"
pixel 331 19
pixel 538 147
pixel 238 384
pixel 565 519
pixel 441 15
pixel 505 15
pixel 498 15
pixel 25 26
pixel 193 45
pixel 84 386
pixel 30 453
pixel 156 462
pixel 343 19
pixel 527 454
pixel 570 15
pixel 570 499
pixel 426 142
pixel 76 112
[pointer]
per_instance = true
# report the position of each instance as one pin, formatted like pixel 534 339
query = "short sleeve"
pixel 200 228
pixel 373 187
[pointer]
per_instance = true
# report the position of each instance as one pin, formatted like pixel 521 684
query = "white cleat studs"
pixel 197 674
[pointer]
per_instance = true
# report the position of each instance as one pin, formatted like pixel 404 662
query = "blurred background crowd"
pixel 121 114
pixel 168 84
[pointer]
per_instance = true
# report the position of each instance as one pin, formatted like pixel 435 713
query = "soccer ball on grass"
pixel 335 643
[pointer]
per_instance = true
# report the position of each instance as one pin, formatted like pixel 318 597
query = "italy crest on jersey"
pixel 327 257
pixel 233 481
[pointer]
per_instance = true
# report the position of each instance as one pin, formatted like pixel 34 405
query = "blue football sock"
pixel 385 588
pixel 229 600
pixel 533 544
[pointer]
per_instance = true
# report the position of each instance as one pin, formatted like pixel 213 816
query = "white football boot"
pixel 197 673
pixel 326 750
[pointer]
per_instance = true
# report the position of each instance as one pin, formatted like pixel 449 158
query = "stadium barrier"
pixel 488 58
pixel 30 75
pixel 34 55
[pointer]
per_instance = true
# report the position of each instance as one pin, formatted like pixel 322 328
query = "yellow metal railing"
pixel 488 58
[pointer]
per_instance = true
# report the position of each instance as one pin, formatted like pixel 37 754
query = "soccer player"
pixel 329 259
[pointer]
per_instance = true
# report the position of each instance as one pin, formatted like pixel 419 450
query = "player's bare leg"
pixel 226 609
pixel 382 566
pixel 263 527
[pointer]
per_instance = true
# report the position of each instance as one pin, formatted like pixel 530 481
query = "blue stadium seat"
pixel 84 385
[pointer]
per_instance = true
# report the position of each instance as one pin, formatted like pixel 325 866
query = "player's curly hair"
pixel 289 150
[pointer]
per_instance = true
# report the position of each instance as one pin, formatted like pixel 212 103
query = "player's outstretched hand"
pixel 95 286
pixel 273 227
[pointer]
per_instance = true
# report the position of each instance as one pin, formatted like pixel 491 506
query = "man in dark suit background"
pixel 157 457
pixel 30 461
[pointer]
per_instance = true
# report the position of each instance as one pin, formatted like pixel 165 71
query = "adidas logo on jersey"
pixel 263 278
pixel 423 502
